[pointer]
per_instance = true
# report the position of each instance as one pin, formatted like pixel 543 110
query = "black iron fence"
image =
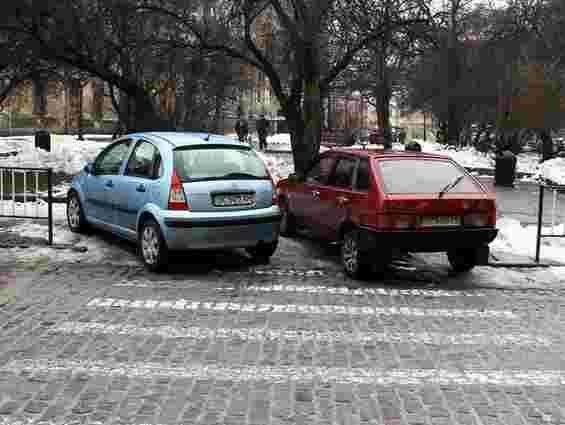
pixel 27 193
pixel 556 189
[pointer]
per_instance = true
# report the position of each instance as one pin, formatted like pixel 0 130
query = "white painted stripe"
pixel 344 290
pixel 179 283
pixel 318 289
pixel 290 373
pixel 264 334
pixel 183 304
pixel 290 272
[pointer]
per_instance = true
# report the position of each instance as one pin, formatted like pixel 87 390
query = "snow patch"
pixel 68 154
pixel 515 238
pixel 552 170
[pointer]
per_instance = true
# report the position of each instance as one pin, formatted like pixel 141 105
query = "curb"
pixel 502 264
pixel 54 246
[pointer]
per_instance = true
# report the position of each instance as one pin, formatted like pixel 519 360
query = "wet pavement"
pixel 217 340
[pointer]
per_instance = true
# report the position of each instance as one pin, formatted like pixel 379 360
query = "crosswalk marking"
pixel 183 304
pixel 289 373
pixel 264 334
pixel 344 290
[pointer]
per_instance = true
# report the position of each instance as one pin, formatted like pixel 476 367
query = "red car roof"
pixel 382 153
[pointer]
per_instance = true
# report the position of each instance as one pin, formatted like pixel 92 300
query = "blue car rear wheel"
pixel 152 247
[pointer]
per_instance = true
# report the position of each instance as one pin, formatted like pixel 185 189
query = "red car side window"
pixel 343 173
pixel 362 181
pixel 320 172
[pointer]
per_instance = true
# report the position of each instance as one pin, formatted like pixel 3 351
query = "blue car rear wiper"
pixel 242 176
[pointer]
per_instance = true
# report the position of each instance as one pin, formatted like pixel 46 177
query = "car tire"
pixel 462 260
pixel 152 247
pixel 262 252
pixel 75 214
pixel 288 222
pixel 353 258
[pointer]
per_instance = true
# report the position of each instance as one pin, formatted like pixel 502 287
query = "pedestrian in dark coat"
pixel 242 129
pixel 262 130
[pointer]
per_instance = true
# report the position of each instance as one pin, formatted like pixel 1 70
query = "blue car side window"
pixel 144 162
pixel 110 161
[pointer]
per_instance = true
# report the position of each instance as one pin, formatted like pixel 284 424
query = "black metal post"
pixel 540 219
pixel 50 203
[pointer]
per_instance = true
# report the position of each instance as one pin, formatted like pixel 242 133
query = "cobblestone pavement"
pixel 217 340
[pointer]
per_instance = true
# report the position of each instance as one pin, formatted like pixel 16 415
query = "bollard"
pixel 505 169
pixel 43 140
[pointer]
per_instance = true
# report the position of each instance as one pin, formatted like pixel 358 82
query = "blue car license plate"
pixel 234 200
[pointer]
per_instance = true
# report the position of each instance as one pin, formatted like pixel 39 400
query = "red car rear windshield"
pixel 423 176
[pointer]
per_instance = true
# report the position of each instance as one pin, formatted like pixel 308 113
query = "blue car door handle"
pixel 140 188
pixel 109 183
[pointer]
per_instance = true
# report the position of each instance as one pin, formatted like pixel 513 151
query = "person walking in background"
pixel 262 130
pixel 242 129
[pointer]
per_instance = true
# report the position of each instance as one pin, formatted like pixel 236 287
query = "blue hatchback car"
pixel 178 191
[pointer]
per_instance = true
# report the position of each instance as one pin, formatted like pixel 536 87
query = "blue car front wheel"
pixel 75 214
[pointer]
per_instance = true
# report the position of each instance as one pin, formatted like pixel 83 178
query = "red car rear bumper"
pixel 427 240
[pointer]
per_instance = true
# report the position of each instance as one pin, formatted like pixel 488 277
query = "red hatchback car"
pixel 378 203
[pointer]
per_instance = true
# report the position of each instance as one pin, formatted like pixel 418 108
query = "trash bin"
pixel 505 169
pixel 43 140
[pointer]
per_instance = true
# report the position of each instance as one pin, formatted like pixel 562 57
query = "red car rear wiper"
pixel 451 185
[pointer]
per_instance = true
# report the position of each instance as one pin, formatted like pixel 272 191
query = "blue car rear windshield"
pixel 218 163
pixel 423 176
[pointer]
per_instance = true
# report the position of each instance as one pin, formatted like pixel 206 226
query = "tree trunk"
pixel 145 116
pixel 383 96
pixel 453 124
pixel 305 144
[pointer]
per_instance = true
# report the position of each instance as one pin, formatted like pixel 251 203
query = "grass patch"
pixel 7 287
pixel 16 182
pixel 32 264
pixel 7 296
pixel 30 184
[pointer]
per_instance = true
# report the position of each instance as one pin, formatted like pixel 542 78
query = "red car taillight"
pixel 177 198
pixel 475 219
pixel 483 214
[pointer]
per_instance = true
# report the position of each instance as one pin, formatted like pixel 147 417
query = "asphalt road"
pixel 217 340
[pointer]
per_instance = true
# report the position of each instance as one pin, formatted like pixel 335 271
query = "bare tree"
pixel 322 37
pixel 104 38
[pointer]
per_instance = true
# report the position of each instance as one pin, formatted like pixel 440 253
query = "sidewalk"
pixel 521 203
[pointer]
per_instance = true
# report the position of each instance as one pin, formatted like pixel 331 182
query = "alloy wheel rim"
pixel 150 245
pixel 349 254
pixel 74 212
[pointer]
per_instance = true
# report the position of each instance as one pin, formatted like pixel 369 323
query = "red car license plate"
pixel 440 220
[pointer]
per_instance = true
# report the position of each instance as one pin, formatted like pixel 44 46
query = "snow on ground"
pixel 552 170
pixel 467 157
pixel 520 240
pixel 68 155
pixel 98 249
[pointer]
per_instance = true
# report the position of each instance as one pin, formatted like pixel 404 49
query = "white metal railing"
pixel 10 197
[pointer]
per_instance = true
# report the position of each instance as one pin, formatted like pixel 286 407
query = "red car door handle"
pixel 315 194
pixel 342 200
